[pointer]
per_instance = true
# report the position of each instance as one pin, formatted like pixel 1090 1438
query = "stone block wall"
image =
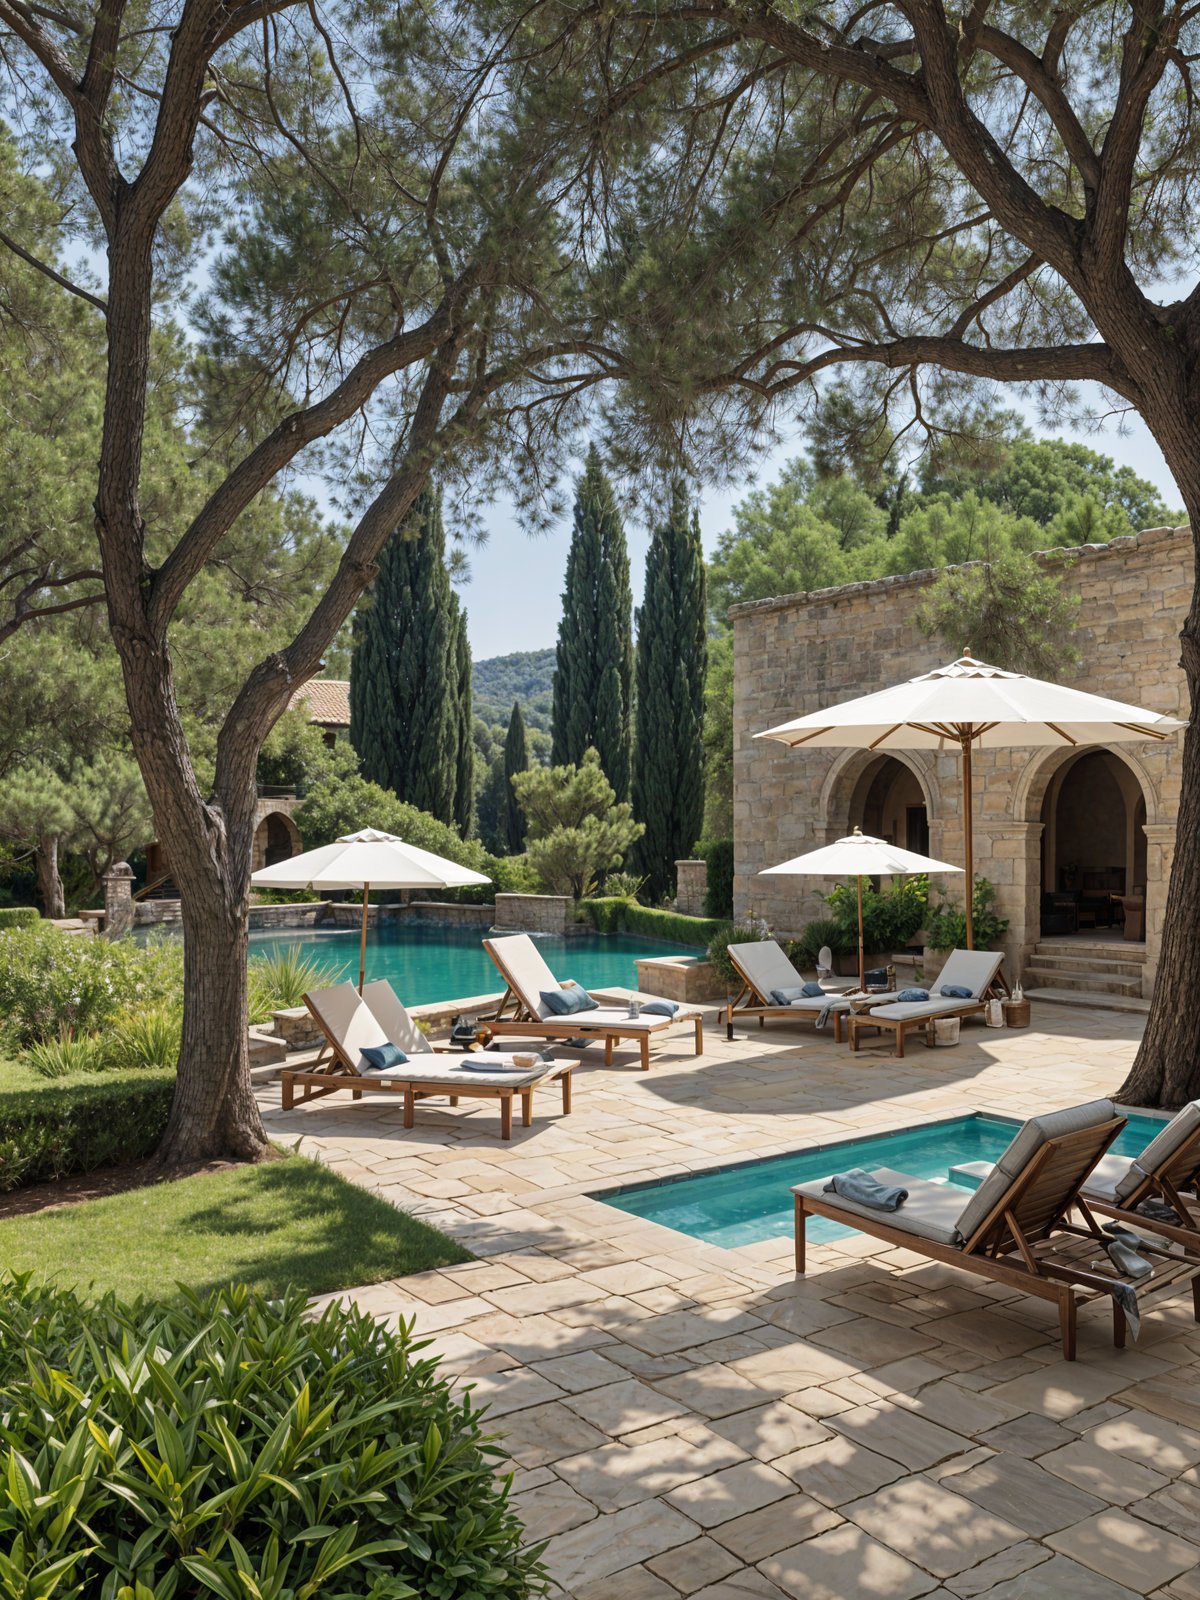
pixel 796 654
pixel 534 913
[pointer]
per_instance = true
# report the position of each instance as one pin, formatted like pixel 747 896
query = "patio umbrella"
pixel 970 704
pixel 360 860
pixel 860 856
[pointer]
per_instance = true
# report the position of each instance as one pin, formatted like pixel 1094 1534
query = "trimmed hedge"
pixel 239 1446
pixel 60 1126
pixel 616 914
pixel 18 917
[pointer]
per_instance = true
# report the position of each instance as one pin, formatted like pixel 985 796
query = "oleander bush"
pixel 237 1446
pixel 946 928
pixel 52 1129
pixel 51 981
pixel 840 939
pixel 718 947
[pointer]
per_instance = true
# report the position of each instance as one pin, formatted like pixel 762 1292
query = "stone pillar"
pixel 1160 852
pixel 118 900
pixel 692 884
pixel 1015 867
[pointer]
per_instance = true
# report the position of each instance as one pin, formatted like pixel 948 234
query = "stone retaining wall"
pixel 448 913
pixel 534 913
pixel 688 979
pixel 297 914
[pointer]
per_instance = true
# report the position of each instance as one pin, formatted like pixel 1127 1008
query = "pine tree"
pixel 593 674
pixel 464 769
pixel 668 778
pixel 516 760
pixel 404 673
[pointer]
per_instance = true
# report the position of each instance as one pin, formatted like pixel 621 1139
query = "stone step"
pixel 266 1051
pixel 1088 982
pixel 1102 949
pixel 1089 1000
pixel 1065 963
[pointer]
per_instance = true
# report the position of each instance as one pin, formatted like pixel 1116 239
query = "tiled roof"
pixel 327 701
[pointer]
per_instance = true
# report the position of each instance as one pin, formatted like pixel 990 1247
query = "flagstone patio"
pixel 688 1420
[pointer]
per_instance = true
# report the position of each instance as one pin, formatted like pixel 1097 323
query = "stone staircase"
pixel 1101 974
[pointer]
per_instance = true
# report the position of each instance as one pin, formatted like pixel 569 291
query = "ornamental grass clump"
pixel 237 1446
pixel 280 981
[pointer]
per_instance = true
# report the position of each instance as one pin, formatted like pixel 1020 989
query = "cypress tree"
pixel 516 759
pixel 593 673
pixel 668 776
pixel 464 779
pixel 404 672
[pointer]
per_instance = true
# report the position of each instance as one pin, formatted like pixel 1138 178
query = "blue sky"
pixel 513 598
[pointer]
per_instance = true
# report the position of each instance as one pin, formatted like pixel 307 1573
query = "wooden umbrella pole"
pixel 362 943
pixel 969 838
pixel 862 960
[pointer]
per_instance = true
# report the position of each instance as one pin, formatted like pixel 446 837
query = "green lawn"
pixel 289 1221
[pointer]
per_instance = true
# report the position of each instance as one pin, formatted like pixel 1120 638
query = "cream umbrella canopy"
pixel 362 861
pixel 859 856
pixel 971 705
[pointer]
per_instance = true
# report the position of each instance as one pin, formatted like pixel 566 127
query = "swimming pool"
pixel 743 1204
pixel 426 962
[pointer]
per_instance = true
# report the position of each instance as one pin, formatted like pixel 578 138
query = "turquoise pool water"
pixel 427 963
pixel 753 1201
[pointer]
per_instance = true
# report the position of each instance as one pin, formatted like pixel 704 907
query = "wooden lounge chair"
pixel 976 970
pixel 527 977
pixel 763 966
pixel 1166 1168
pixel 1014 1229
pixel 352 1022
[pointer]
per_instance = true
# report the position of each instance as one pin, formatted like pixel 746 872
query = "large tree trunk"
pixel 214 1111
pixel 1166 1071
pixel 50 888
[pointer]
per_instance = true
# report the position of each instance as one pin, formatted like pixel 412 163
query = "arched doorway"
pixel 1094 849
pixel 275 839
pixel 889 803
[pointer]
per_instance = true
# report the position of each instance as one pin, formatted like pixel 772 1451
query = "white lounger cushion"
pixel 527 975
pixel 349 1020
pixel 380 1000
pixel 763 961
pixel 1161 1148
pixel 964 969
pixel 1032 1136
pixel 904 1010
pixel 930 1212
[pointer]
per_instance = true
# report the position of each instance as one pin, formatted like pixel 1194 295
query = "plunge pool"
pixel 742 1204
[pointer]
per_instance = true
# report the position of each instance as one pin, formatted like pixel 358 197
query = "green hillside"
pixel 525 676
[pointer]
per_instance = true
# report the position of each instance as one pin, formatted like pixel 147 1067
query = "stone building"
pixel 1076 841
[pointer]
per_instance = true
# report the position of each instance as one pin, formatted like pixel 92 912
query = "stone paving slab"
pixel 687 1422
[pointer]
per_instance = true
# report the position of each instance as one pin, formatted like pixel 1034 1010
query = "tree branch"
pixel 1042 81
pixel 55 277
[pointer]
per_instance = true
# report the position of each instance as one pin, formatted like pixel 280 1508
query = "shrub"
pixel 68 1055
pixel 648 922
pixel 279 982
pixel 623 885
pixel 718 893
pixel 50 980
pixel 53 1129
pixel 235 1445
pixel 825 931
pixel 18 917
pixel 890 917
pixel 149 1037
pixel 946 929
pixel 732 933
pixel 606 913
pixel 283 897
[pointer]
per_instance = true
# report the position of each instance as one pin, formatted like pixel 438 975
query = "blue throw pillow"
pixel 957 991
pixel 784 997
pixel 381 1056
pixel 660 1008
pixel 914 995
pixel 566 1002
pixel 812 991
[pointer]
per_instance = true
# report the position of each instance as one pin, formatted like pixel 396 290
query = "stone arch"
pixel 276 838
pixel 851 770
pixel 1035 777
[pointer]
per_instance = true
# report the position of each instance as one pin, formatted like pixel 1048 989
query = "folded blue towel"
pixel 660 1008
pixel 379 1057
pixel 913 995
pixel 859 1185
